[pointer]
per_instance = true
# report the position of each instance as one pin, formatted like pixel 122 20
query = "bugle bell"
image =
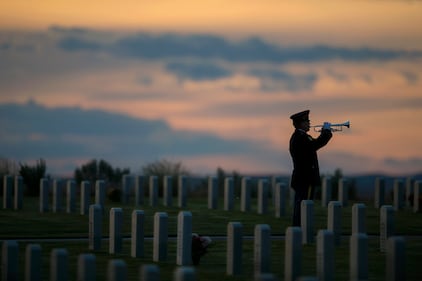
pixel 334 127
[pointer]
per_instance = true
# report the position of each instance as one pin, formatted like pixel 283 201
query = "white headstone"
pixel 33 262
pixel 343 192
pixel 18 199
pixel 184 273
pixel 234 248
pixel 280 199
pixel 9 260
pixel 325 255
pixel 95 227
pixel 44 192
pixel 57 196
pixel 167 191
pixel 7 191
pixel 70 196
pixel 59 264
pixel 417 196
pixel 245 195
pixel 379 192
pixel 153 191
pixel 117 270
pixel 116 224
pixel 293 253
pixel 182 190
pixel 212 193
pixel 137 241
pixel 139 190
pixel 358 218
pixel 262 196
pixel 149 272
pixel 307 221
pixel 85 197
pixel 359 256
pixel 399 194
pixel 160 236
pixel 184 238
pixel 325 191
pixel 386 225
pixel 334 220
pixel 228 194
pixel 262 249
pixel 395 266
pixel 86 270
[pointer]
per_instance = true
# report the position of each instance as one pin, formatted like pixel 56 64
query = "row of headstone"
pixel 402 191
pixel 86 266
pixel 279 192
pixel 325 269
pixel 12 192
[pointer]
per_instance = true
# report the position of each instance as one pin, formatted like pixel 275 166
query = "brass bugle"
pixel 334 127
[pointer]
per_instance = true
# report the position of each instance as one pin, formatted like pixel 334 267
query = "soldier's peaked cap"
pixel 300 116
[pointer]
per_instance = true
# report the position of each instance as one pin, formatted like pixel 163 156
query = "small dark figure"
pixel 200 246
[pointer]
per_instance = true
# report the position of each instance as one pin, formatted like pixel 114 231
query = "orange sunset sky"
pixel 348 60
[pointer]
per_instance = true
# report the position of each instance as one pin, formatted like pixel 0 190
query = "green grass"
pixel 29 222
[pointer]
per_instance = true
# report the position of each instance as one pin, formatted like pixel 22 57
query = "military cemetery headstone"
pixel 228 194
pixel 116 270
pixel 86 268
pixel 7 191
pixel 325 191
pixel 139 190
pixel 325 255
pixel 149 272
pixel 409 189
pixel 184 238
pixel 85 197
pixel 44 191
pixel 137 231
pixel 280 199
pixel 9 260
pixel 70 196
pixel 262 248
pixel 334 220
pixel 182 190
pixel 262 196
pixel 184 273
pixel 343 192
pixel 116 224
pixel 59 260
pixel 160 236
pixel 212 193
pixel 127 185
pixel 358 218
pixel 33 262
pixel 386 225
pixel 293 253
pixel 57 195
pixel 358 256
pixel 245 195
pixel 95 227
pixel 153 191
pixel 100 193
pixel 398 190
pixel 395 266
pixel 417 197
pixel 167 191
pixel 379 192
pixel 307 221
pixel 234 248
pixel 18 199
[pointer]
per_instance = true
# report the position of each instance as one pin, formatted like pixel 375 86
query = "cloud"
pixel 76 44
pixel 209 47
pixel 273 80
pixel 197 71
pixel 34 131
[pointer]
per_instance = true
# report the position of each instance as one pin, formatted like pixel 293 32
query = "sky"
pixel 232 70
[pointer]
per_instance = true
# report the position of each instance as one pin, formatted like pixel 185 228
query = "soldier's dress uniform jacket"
pixel 305 176
pixel 303 150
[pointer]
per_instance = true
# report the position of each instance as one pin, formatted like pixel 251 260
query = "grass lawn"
pixel 30 223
